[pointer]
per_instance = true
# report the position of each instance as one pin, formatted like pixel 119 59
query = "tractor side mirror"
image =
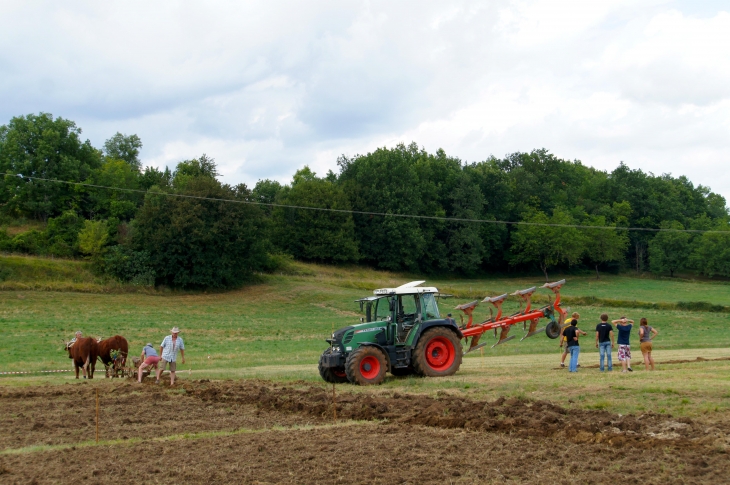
pixel 391 305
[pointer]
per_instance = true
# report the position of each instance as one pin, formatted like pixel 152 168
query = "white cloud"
pixel 266 87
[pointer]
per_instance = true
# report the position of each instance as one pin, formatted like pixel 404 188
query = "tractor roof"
pixel 407 289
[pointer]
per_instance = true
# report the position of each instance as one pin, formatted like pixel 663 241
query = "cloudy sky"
pixel 265 87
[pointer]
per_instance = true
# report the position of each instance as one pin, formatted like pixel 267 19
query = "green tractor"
pixel 402 333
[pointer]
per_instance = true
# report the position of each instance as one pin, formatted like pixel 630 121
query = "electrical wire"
pixel 368 213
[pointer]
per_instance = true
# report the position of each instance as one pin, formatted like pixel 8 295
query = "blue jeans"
pixel 574 351
pixel 604 348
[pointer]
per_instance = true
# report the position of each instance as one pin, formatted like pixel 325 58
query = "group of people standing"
pixel 605 342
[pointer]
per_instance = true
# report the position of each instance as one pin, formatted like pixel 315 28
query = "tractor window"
pixel 407 308
pixel 429 307
pixel 382 310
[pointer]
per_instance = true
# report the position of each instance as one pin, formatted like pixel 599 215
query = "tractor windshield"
pixel 382 309
pixel 429 307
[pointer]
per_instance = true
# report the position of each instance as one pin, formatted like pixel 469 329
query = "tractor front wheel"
pixel 366 366
pixel 438 353
pixel 334 375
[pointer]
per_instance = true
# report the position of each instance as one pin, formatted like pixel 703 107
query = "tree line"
pixel 165 229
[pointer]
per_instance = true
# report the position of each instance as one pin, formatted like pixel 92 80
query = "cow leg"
pixel 76 368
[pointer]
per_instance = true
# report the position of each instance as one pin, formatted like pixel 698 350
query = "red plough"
pixel 525 315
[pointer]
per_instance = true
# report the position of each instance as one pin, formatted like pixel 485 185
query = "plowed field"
pixel 261 432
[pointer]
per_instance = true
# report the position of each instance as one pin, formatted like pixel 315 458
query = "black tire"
pixel 366 366
pixel 552 330
pixel 437 353
pixel 402 371
pixel 334 375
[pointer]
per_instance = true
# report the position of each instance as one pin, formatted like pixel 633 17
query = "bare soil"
pixel 270 433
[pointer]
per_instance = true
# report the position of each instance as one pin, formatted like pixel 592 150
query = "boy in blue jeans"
pixel 604 341
pixel 571 334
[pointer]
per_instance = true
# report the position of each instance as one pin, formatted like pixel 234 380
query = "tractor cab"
pixel 394 320
pixel 401 307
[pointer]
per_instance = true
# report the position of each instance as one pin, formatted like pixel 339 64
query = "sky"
pixel 266 87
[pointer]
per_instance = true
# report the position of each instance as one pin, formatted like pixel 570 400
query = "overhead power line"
pixel 367 213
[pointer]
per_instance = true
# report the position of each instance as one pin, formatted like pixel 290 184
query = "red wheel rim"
pixel 370 367
pixel 440 353
pixel 339 373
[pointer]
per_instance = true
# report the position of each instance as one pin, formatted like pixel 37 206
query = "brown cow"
pixel 84 352
pixel 106 346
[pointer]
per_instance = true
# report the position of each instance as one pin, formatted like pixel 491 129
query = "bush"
pixel 129 266
pixel 31 242
pixel 93 237
pixel 62 234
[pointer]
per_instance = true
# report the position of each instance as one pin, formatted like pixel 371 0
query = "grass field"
pixel 276 329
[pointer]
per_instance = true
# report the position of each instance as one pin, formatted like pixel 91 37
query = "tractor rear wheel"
pixel 335 375
pixel 552 330
pixel 438 353
pixel 366 366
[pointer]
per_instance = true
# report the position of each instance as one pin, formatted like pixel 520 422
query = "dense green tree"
pixel 669 251
pixel 386 181
pixel 265 193
pixel 192 169
pixel 155 177
pixel 465 247
pixel 106 203
pixel 62 234
pixel 123 147
pixel 315 235
pixel 194 243
pixel 604 245
pixel 44 147
pixel 711 254
pixel 547 245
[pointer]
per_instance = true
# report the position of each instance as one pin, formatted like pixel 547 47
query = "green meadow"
pixel 275 329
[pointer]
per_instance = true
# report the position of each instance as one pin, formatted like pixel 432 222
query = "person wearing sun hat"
pixel 170 346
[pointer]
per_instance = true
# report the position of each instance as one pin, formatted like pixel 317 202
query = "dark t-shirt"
pixel 624 332
pixel 604 330
pixel 570 333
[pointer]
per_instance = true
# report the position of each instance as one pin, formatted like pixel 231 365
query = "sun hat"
pixel 148 344
pixel 175 330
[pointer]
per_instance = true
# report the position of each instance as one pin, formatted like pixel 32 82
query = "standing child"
pixel 604 341
pixel 563 340
pixel 624 326
pixel 646 333
pixel 571 334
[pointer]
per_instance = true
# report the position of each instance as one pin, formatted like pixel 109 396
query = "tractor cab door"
pixel 407 313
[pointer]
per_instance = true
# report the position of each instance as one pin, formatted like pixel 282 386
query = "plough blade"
pixel 503 341
pixel 539 330
pixel 476 347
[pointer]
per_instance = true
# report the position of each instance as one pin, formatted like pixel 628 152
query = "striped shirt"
pixel 168 352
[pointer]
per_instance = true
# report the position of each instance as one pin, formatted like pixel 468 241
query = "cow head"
pixel 67 347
